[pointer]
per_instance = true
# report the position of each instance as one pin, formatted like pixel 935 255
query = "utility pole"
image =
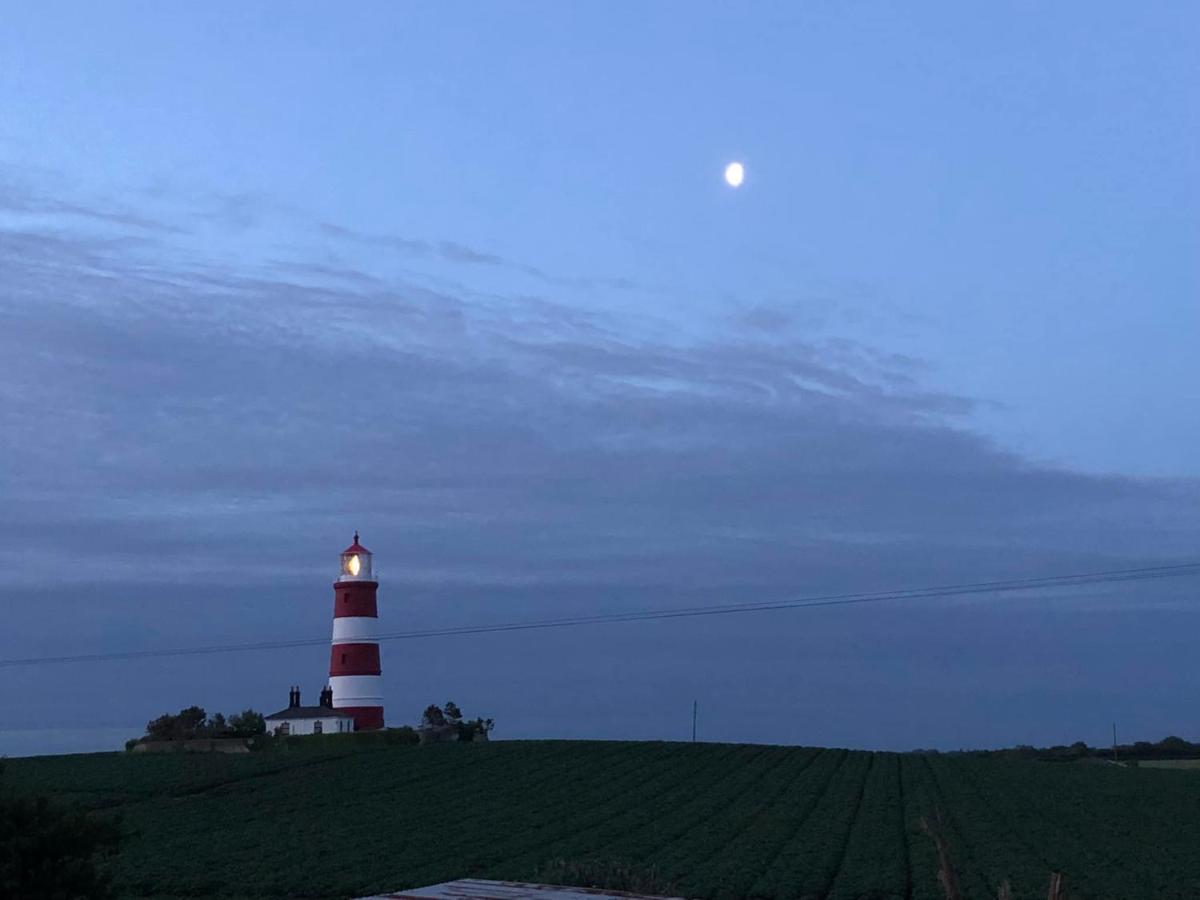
pixel 695 704
pixel 1114 741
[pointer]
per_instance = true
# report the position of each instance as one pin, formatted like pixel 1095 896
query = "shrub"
pixel 50 852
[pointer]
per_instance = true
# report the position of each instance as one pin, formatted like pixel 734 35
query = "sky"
pixel 469 281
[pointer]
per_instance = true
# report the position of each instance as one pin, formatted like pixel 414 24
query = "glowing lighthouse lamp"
pixel 354 670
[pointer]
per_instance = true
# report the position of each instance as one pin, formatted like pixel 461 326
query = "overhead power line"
pixel 1146 573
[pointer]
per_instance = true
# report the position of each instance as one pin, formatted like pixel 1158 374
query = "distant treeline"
pixel 1168 748
pixel 193 722
pixel 448 722
pixel 438 723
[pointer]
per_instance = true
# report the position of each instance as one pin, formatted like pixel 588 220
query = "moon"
pixel 735 174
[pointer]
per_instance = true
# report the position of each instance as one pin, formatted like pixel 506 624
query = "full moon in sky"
pixel 735 172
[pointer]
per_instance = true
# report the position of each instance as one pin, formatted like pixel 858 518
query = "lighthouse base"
pixel 366 718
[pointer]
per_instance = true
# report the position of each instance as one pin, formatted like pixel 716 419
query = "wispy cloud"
pixel 17 199
pixel 454 252
pixel 216 389
pixel 181 437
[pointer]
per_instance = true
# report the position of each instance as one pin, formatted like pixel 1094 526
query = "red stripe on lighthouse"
pixel 355 598
pixel 354 659
pixel 366 718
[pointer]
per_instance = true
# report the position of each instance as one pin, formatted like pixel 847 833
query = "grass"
pixel 331 819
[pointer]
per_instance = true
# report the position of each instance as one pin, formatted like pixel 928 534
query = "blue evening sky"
pixel 469 279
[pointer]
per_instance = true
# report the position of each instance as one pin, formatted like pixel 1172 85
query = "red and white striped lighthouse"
pixel 354 672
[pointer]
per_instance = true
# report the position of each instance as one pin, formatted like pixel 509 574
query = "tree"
pixel 450 717
pixel 193 723
pixel 162 728
pixel 190 722
pixel 247 723
pixel 1174 744
pixel 476 728
pixel 47 852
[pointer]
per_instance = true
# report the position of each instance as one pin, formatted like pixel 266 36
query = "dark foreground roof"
pixel 473 889
pixel 310 712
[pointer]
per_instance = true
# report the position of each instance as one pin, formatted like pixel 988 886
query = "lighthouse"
pixel 354 672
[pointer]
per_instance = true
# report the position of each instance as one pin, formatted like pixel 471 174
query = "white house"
pixel 297 719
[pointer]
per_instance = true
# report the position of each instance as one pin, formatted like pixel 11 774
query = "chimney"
pixel 293 697
pixel 327 696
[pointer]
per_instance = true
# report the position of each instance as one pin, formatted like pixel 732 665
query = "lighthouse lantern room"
pixel 354 666
pixel 356 562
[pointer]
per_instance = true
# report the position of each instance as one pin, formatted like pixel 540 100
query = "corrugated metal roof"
pixel 474 889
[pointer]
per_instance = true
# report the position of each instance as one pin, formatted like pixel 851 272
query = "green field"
pixel 715 820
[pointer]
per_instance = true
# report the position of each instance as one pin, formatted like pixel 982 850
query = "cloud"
pixel 201 432
pixel 23 201
pixel 134 392
pixel 454 252
pixel 765 318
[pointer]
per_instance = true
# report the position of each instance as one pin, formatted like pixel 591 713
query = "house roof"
pixel 309 712
pixel 474 889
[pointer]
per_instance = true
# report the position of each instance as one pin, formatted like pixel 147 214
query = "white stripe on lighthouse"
pixel 357 690
pixel 355 630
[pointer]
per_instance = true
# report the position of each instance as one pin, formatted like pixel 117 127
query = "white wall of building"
pixel 329 725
